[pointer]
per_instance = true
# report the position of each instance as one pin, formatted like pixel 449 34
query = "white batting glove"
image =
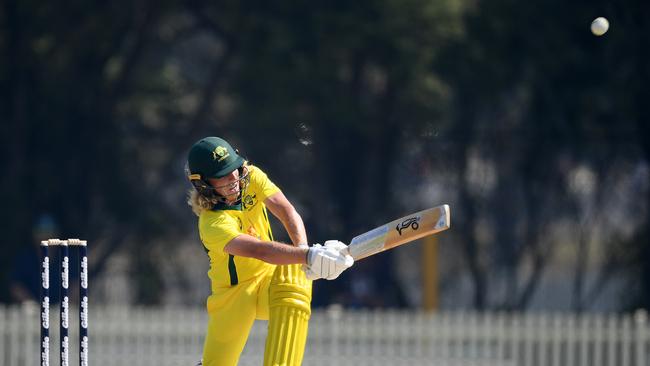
pixel 326 262
pixel 338 245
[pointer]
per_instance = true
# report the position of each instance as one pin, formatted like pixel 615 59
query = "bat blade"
pixel 400 231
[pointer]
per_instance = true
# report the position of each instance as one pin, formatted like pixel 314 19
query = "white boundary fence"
pixel 173 336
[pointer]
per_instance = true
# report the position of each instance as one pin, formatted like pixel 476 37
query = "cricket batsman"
pixel 252 276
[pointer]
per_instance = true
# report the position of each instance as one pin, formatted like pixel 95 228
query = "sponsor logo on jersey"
pixel 252 232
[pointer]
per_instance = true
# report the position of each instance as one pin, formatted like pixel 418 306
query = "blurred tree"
pixel 66 71
pixel 349 106
pixel 534 93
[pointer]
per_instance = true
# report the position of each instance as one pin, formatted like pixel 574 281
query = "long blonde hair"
pixel 197 202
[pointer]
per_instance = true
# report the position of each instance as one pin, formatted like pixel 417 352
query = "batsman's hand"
pixel 338 245
pixel 327 261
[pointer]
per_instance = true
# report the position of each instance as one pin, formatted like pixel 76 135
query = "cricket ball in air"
pixel 599 26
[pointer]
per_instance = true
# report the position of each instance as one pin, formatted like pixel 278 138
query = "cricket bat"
pixel 400 231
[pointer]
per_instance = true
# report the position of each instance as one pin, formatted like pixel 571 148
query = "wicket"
pixel 45 300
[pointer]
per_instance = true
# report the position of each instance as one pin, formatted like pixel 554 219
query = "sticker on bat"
pixel 370 242
pixel 442 223
pixel 371 235
pixel 413 222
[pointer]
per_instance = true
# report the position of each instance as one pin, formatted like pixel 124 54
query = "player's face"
pixel 227 186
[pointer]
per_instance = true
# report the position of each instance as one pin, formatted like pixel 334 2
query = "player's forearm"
pixel 280 253
pixel 295 228
pixel 271 252
pixel 281 208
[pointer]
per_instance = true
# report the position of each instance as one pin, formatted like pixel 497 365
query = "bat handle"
pixel 346 251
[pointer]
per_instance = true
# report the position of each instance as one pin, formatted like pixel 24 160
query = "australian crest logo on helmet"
pixel 219 153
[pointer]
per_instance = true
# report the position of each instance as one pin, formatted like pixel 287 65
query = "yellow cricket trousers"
pixel 284 294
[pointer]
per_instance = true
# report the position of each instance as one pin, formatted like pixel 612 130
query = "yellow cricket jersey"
pixel 217 227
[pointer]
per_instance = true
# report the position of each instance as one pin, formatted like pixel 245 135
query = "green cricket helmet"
pixel 213 157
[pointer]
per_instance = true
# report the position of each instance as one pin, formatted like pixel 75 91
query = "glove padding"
pixel 327 261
